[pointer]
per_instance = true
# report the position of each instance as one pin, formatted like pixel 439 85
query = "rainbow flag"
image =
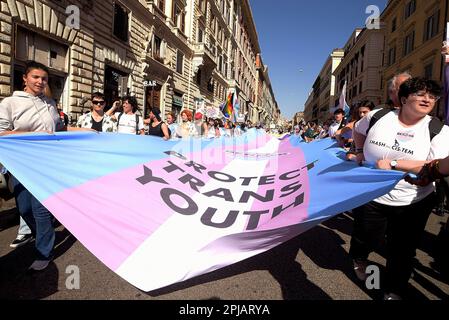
pixel 160 212
pixel 228 107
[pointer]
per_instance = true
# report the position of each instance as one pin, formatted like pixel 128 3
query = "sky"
pixel 297 36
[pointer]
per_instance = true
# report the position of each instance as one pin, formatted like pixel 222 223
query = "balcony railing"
pixel 202 50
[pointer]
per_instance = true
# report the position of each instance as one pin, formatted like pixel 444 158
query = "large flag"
pixel 159 212
pixel 228 107
pixel 342 101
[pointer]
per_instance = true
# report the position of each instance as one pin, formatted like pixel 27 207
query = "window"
pixel 115 84
pixel 198 77
pixel 200 35
pixel 220 64
pixel 410 8
pixel 212 23
pixel 431 26
pixel 120 22
pixel 391 56
pixel 428 71
pixel 33 46
pixel 161 5
pixel 179 62
pixel 360 87
pixel 158 53
pixel 409 43
pixel 201 5
pixel 179 18
pixel 210 85
pixel 393 25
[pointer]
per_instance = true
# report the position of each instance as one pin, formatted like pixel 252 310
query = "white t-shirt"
pixel 333 128
pixel 127 123
pixel 388 139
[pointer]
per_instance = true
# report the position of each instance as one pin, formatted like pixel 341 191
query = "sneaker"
pixel 360 266
pixel 21 240
pixel 391 296
pixel 39 265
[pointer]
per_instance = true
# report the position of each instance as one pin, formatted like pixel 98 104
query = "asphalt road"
pixel 313 266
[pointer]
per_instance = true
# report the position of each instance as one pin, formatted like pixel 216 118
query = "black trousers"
pixel 442 190
pixel 403 227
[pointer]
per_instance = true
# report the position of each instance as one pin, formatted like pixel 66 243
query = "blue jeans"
pixel 38 218
pixel 23 228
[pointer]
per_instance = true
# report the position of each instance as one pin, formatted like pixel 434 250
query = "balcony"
pixel 203 56
pixel 156 62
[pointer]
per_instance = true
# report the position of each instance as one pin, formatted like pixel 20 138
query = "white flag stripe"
pixel 164 259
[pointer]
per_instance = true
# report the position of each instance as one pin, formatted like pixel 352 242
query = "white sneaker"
pixel 39 265
pixel 21 240
pixel 360 269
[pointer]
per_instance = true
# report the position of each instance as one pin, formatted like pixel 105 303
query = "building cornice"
pixel 391 6
pixel 252 31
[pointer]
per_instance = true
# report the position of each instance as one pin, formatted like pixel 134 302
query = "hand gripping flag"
pixel 159 212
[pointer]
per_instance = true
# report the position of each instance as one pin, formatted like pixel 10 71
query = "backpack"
pixel 435 125
pixel 137 122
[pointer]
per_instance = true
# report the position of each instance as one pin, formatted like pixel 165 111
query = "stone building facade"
pixel 361 67
pixel 322 97
pixel 414 32
pixel 172 54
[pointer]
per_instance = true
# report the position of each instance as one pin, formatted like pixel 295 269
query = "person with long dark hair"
pixel 157 127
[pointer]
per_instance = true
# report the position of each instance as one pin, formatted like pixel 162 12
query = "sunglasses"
pixel 98 102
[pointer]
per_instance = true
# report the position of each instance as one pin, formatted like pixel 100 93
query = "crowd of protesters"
pixel 397 218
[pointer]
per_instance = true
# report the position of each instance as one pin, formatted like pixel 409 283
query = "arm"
pixel 413 166
pixel 79 129
pixel 444 166
pixel 111 111
pixel 10 132
pixel 431 171
pixel 165 131
pixel 359 141
pixel 346 128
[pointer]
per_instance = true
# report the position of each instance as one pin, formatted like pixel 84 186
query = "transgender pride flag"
pixel 159 212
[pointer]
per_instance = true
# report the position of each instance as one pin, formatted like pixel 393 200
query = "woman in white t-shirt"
pixel 128 121
pixel 401 214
